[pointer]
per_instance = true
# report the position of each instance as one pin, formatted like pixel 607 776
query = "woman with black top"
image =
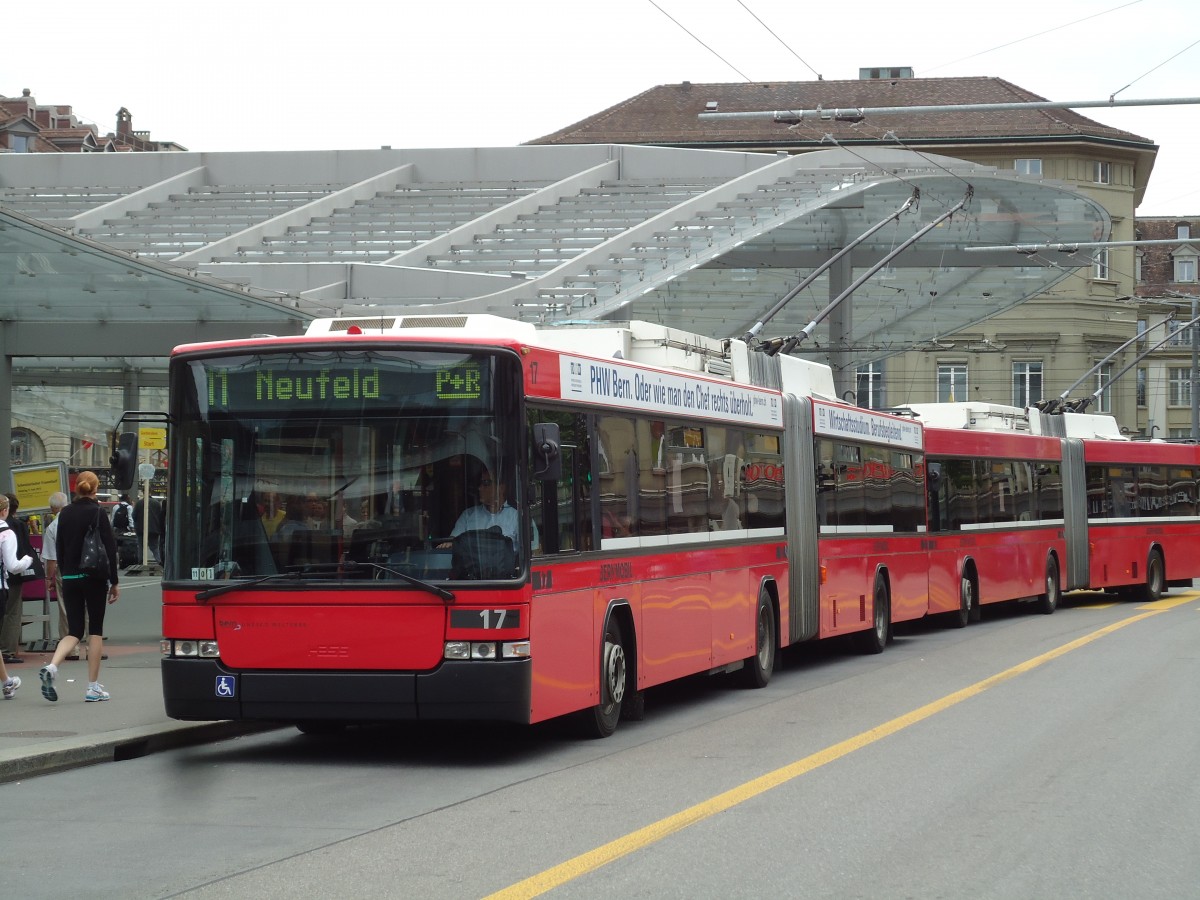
pixel 83 592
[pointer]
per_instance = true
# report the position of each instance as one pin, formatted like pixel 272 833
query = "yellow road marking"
pixel 1170 602
pixel 538 884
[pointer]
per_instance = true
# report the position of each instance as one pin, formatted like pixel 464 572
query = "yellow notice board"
pixel 33 484
pixel 152 439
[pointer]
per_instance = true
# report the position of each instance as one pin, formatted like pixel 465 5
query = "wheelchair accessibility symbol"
pixel 226 687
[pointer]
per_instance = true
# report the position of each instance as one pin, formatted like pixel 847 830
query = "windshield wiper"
pixel 228 586
pixel 436 590
pixel 299 572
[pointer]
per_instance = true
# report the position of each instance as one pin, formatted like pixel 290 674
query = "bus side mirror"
pixel 547 457
pixel 124 460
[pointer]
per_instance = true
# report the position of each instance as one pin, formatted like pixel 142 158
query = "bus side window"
pixel 562 508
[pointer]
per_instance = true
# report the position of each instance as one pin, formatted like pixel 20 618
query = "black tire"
pixel 875 638
pixel 968 604
pixel 1156 579
pixel 1048 602
pixel 600 721
pixel 756 673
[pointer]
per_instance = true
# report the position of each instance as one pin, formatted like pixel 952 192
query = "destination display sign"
pixel 616 384
pixel 290 383
pixel 853 423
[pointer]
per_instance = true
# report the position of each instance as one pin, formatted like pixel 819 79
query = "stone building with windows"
pixel 1017 357
pixel 1169 291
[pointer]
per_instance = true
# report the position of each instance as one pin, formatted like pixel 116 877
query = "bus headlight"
pixel 486 650
pixel 515 650
pixel 190 649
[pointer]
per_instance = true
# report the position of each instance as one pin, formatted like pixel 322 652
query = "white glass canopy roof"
pixel 109 260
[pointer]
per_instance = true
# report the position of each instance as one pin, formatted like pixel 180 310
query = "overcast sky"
pixel 266 75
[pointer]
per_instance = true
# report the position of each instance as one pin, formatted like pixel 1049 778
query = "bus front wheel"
pixel 601 720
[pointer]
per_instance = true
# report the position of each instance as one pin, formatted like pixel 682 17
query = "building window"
pixel 1141 387
pixel 1183 231
pixel 1180 434
pixel 1137 267
pixel 952 382
pixel 870 386
pixel 1180 336
pixel 1101 172
pixel 1101 265
pixel 1028 166
pixel 1185 269
pixel 1104 397
pixel 20 143
pixel 1027 383
pixel 25 447
pixel 1179 386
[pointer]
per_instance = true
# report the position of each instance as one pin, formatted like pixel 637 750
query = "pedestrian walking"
pixel 83 593
pixel 153 524
pixel 10 564
pixel 50 557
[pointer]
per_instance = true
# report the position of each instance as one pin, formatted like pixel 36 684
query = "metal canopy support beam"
pixel 841 325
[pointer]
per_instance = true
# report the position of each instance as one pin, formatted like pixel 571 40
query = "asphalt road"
pixel 1026 756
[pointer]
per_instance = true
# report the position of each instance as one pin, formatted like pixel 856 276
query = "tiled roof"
pixel 669 114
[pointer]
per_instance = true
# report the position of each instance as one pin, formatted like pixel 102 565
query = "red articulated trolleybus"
pixel 469 517
pixel 1022 503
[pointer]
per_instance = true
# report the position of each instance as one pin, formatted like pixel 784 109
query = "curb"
pixel 116 746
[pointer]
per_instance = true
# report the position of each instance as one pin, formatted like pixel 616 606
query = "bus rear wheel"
pixel 968 604
pixel 875 638
pixel 756 673
pixel 1048 602
pixel 1156 579
pixel 600 721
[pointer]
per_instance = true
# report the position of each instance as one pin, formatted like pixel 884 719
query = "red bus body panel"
pixel 1009 559
pixel 1119 550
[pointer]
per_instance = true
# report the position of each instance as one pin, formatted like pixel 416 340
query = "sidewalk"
pixel 37 736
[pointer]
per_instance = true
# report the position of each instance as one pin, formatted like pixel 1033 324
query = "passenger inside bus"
pixel 293 539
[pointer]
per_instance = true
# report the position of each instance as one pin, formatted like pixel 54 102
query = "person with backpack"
pixel 122 515
pixel 10 564
pixel 83 592
pixel 10 630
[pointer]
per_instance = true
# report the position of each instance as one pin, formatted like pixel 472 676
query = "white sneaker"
pixel 10 687
pixel 96 694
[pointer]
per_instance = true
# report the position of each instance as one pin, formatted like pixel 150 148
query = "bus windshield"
pixel 373 464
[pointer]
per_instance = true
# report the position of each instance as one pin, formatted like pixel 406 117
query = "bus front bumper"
pixel 483 690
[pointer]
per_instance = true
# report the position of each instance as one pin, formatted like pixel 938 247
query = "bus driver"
pixel 493 510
